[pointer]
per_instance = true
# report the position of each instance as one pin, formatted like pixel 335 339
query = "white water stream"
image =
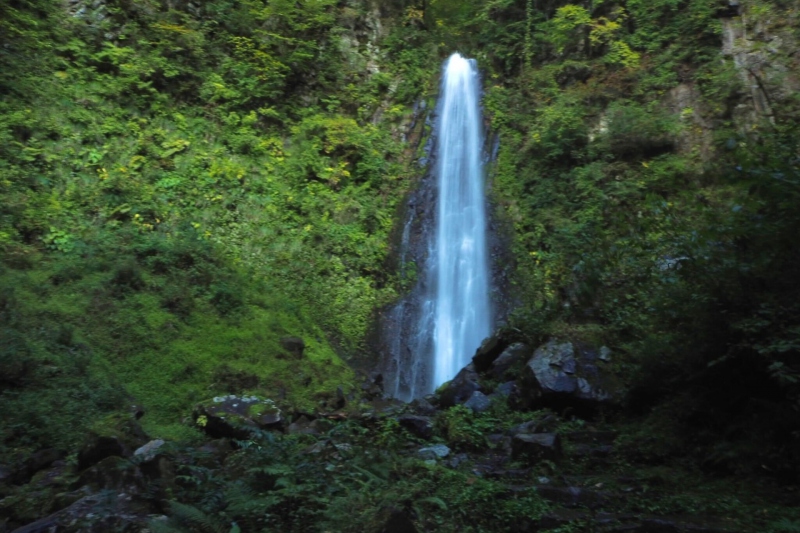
pixel 434 330
pixel 462 317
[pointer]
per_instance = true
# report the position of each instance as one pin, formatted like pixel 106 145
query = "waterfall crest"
pixel 435 329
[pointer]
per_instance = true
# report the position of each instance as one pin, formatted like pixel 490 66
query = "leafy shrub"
pixel 637 131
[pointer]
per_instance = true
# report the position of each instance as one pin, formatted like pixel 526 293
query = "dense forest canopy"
pixel 186 185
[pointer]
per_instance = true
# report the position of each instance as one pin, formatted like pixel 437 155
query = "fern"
pixel 243 501
pixel 196 520
pixel 786 525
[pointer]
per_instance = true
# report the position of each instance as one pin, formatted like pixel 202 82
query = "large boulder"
pixel 489 350
pixel 511 357
pixel 460 388
pixel 236 417
pixel 559 375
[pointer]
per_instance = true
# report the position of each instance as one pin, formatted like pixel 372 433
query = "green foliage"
pixel 630 129
pixel 350 484
pixel 181 188
pixel 569 19
pixel 464 429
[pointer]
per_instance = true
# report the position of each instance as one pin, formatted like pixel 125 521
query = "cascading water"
pixel 462 316
pixel 434 331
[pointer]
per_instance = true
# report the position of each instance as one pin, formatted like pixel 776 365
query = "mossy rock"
pixel 233 416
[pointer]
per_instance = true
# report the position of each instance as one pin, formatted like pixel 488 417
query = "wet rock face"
pixel 235 417
pixel 559 375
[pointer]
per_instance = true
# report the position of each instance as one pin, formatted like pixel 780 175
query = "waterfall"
pixel 462 316
pixel 434 330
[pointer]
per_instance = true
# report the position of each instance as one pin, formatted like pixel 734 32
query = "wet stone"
pixel 439 451
pixel 478 402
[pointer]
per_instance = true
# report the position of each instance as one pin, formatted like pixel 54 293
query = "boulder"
pixel 236 417
pixel 558 375
pixel 489 350
pixel 149 451
pixel 460 388
pixel 535 447
pixel 511 356
pixel 478 402
pixel 419 426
